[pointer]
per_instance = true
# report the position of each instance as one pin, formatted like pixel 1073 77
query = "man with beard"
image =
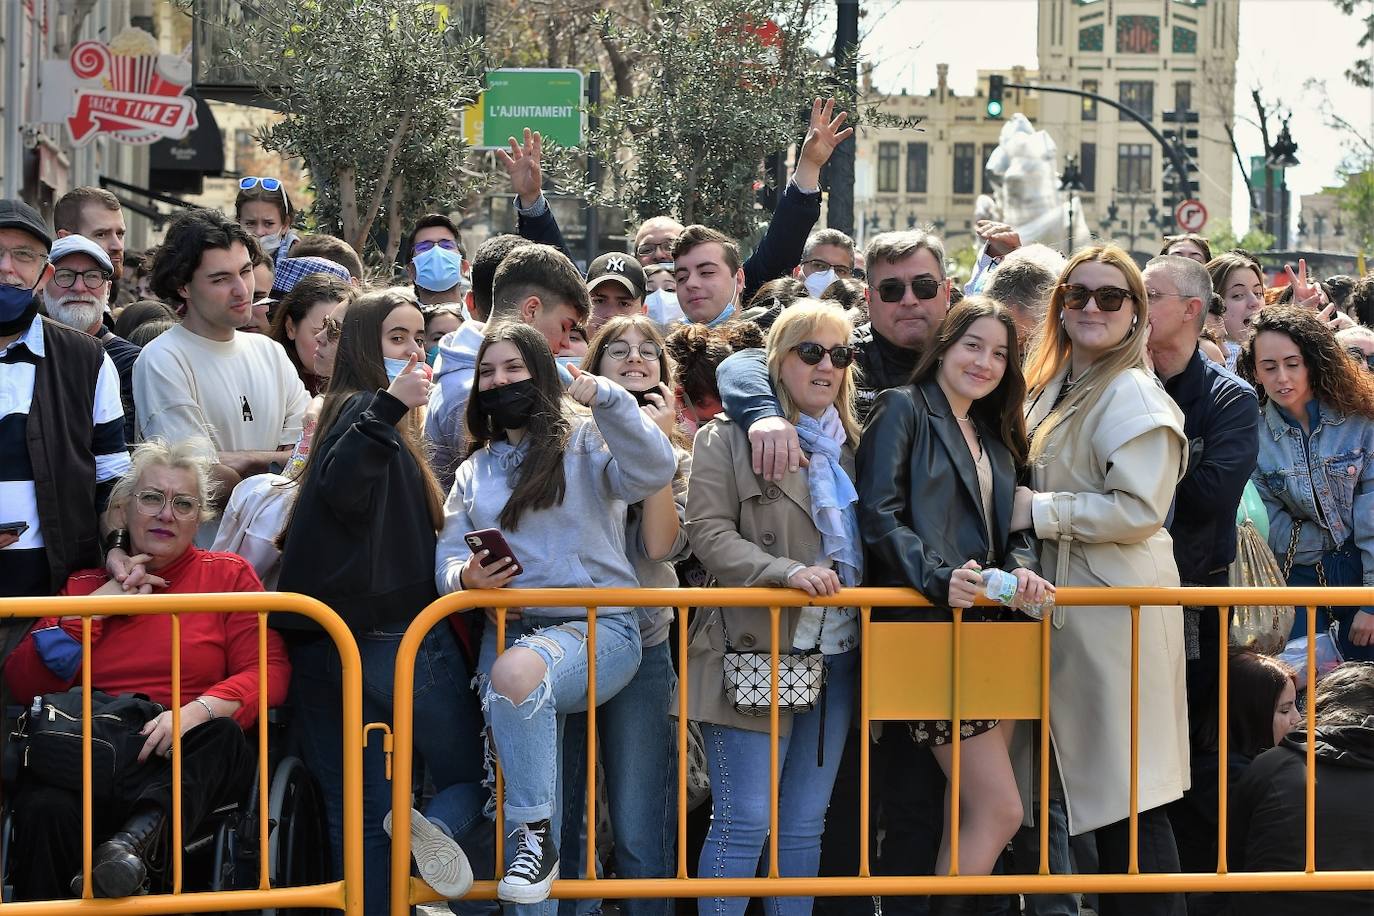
pixel 96 214
pixel 75 295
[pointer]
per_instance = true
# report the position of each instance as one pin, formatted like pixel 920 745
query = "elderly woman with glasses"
pixel 156 508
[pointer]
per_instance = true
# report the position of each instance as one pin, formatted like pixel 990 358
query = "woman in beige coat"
pixel 1107 451
pixel 801 532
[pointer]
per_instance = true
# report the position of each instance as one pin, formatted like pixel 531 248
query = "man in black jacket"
pixel 1221 421
pixel 1267 811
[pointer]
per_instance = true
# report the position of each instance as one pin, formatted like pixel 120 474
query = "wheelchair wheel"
pixel 298 842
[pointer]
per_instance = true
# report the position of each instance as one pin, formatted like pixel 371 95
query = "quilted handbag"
pixel 749 679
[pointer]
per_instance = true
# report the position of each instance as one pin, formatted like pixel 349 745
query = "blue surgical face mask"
pixel 729 310
pixel 438 269
pixel 17 308
pixel 432 354
pixel 394 367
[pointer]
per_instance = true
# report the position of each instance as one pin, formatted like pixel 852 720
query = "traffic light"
pixel 995 95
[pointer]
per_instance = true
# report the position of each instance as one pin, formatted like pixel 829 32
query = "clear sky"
pixel 1283 45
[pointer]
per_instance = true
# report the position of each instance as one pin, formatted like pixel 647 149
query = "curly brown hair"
pixel 1335 379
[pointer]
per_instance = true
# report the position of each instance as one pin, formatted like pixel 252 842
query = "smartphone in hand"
pixel 494 542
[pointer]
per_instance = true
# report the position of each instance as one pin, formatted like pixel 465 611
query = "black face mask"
pixel 509 406
pixel 643 396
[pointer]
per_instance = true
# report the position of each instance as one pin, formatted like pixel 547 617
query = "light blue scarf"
pixel 833 496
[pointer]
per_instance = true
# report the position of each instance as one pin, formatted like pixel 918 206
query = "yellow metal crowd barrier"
pixel 946 671
pixel 343 895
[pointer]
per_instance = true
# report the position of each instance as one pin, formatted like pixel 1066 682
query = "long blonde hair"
pixel 1054 349
pixel 796 323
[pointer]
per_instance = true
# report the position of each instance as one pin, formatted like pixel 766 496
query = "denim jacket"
pixel 1338 475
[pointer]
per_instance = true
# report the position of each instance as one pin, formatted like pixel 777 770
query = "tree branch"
pixel 347 179
pixel 383 180
pixel 393 220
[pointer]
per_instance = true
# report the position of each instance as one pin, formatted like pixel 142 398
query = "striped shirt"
pixel 23 565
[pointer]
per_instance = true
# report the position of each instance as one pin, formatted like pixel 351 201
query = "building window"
pixel 1087 164
pixel 1138 97
pixel 1133 167
pixel 988 150
pixel 1183 96
pixel 1090 105
pixel 888 166
pixel 964 167
pixel 916 164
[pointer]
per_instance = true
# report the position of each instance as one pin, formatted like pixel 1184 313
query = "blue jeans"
pixel 1026 851
pixel 1342 566
pixel 528 736
pixel 637 749
pixel 448 727
pixel 738 763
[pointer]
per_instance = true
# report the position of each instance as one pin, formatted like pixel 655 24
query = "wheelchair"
pixel 224 854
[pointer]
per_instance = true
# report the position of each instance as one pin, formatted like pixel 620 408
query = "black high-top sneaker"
pixel 531 873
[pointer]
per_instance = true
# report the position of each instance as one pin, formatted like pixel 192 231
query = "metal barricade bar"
pixel 407 891
pixel 345 895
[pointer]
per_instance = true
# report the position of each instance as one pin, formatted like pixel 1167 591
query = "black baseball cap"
pixel 15 214
pixel 619 268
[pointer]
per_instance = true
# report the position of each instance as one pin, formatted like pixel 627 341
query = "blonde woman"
pixel 1107 451
pixel 801 532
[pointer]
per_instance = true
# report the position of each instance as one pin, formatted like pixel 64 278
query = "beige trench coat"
pixel 747 532
pixel 1104 494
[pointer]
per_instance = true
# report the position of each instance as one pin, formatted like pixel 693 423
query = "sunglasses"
pixel 812 354
pixel 921 288
pixel 249 182
pixel 332 329
pixel 422 247
pixel 1108 298
pixel 1359 356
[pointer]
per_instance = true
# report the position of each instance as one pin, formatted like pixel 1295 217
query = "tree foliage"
pixel 725 84
pixel 369 91
pixel 1361 73
pixel 1223 238
pixel 1356 196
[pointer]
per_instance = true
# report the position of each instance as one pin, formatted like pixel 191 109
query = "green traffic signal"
pixel 994 109
pixel 995 84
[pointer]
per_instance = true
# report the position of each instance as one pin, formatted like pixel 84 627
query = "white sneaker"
pixel 438 857
pixel 530 876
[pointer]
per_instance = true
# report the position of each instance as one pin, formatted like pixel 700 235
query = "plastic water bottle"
pixel 1000 586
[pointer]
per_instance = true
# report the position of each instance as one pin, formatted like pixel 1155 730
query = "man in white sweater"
pixel 205 379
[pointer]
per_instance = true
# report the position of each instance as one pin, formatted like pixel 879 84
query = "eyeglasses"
pixel 249 182
pixel 921 287
pixel 1108 298
pixel 1361 357
pixel 648 350
pixel 647 248
pixel 66 279
pixel 817 265
pixel 24 257
pixel 422 247
pixel 151 503
pixel 332 329
pixel 812 353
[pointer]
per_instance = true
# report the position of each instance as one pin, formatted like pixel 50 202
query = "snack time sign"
pixel 549 101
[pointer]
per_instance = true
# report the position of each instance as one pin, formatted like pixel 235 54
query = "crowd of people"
pixel 809 417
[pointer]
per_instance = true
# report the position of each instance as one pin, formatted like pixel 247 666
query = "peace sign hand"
pixel 1304 294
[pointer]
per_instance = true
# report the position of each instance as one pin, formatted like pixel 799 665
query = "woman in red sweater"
pixel 159 503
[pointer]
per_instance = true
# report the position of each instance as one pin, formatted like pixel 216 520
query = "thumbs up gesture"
pixel 412 386
pixel 583 387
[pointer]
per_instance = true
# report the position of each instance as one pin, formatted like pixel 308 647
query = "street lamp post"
pixel 1071 181
pixel 1283 155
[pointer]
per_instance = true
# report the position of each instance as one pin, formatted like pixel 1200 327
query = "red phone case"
pixel 494 542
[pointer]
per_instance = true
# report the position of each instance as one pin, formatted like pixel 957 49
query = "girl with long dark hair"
pixel 937 470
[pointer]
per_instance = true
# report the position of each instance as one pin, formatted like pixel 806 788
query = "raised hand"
pixel 412 386
pixel 1304 294
pixel 524 166
pixel 825 132
pixel 583 387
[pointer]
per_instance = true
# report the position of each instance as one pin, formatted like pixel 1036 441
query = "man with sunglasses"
pixel 75 296
pixel 61 431
pixel 908 296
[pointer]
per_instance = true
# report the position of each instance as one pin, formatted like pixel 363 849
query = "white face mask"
pixel 818 282
pixel 663 307
pixel 270 244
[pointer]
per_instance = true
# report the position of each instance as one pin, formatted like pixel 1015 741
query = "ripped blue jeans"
pixel 527 734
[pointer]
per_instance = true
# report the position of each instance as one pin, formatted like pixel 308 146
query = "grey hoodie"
pixel 615 457
pixel 448 399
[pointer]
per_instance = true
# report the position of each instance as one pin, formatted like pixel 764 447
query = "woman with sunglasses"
pixel 300 318
pixel 937 470
pixel 635 726
pixel 1106 453
pixel 264 209
pixel 803 533
pixel 1316 463
pixel 368 502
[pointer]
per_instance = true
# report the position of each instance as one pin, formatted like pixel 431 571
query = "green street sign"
pixel 549 101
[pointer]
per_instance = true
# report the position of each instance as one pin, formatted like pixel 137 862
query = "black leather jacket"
pixel 920 514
